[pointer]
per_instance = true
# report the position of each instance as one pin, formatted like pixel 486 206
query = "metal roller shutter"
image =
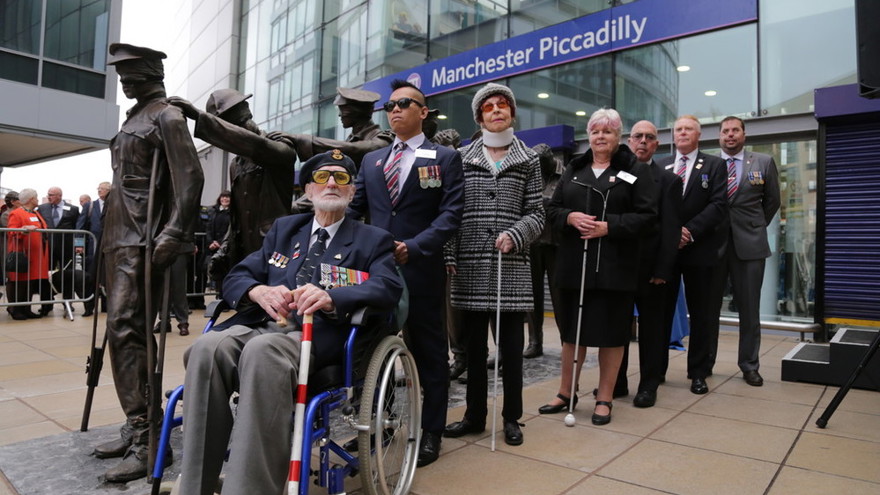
pixel 852 222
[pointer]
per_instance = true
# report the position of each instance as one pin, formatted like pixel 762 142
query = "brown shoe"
pixel 183 329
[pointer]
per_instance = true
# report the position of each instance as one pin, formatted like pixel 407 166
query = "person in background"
pixel 217 229
pixel 21 286
pixel 503 212
pixel 601 208
pixel 542 256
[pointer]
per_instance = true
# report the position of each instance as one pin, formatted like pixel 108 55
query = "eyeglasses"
pixel 402 103
pixel 323 176
pixel 646 137
pixel 488 106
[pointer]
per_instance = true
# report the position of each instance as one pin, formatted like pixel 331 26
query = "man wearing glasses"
pixel 253 355
pixel 414 189
pixel 656 266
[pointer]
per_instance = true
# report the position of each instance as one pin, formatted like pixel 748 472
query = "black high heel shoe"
pixel 553 409
pixel 599 419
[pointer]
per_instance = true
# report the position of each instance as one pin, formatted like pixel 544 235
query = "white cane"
pixel 497 360
pixel 569 418
pixel 296 447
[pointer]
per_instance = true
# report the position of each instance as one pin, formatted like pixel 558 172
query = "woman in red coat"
pixel 23 285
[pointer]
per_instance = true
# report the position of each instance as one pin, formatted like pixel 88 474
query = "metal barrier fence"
pixel 58 265
pixel 61 271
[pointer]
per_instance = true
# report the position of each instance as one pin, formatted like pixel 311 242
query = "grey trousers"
pixel 261 364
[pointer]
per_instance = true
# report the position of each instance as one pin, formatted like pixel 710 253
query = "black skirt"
pixel 607 318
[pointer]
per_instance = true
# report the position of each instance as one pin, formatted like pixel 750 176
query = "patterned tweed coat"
pixel 507 201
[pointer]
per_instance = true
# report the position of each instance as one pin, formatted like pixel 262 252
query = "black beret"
pixel 332 157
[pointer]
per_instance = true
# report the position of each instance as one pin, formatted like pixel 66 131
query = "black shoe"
pixel 533 351
pixel 462 428
pixel 33 316
pixel 115 448
pixel 753 378
pixel 698 386
pixel 88 313
pixel 17 315
pixel 557 408
pixel 183 329
pixel 430 449
pixel 645 398
pixel 600 419
pixel 133 465
pixel 615 394
pixel 512 434
pixel 456 370
pixel 45 311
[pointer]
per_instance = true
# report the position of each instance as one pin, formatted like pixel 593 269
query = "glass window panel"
pixel 582 86
pixel 461 25
pixel 796 55
pixel 18 68
pixel 20 25
pixel 76 31
pixel 527 16
pixel 342 53
pixel 73 80
pixel 720 77
pixel 397 37
pixel 788 291
pixel 646 84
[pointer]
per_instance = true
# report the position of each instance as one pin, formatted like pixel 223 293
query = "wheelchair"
pixel 374 392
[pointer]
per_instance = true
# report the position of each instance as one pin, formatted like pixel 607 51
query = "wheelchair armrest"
pixel 359 316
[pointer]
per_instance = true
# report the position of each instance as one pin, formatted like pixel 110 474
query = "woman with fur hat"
pixel 503 212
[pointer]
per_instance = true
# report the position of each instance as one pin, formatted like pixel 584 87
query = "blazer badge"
pixel 704 178
pixel 756 178
pixel 279 260
pixel 429 176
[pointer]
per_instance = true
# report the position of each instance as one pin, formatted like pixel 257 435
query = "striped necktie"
pixel 682 171
pixel 304 275
pixel 392 173
pixel 732 185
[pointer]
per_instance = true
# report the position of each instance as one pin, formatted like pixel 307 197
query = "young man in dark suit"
pixel 250 353
pixel 754 198
pixel 703 236
pixel 414 189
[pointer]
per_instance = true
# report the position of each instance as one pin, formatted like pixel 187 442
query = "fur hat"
pixel 488 90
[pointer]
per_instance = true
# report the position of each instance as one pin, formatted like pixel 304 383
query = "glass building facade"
pixel 58 44
pixel 295 53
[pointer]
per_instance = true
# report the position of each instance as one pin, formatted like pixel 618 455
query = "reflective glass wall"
pixel 295 53
pixel 73 39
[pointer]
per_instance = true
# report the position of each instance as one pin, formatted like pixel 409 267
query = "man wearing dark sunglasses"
pixel 414 189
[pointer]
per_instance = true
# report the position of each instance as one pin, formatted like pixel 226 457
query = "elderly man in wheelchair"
pixel 257 352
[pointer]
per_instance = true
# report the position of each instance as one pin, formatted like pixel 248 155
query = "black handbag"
pixel 17 262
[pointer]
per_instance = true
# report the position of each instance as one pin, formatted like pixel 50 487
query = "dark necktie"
pixel 392 173
pixel 732 186
pixel 304 275
pixel 56 214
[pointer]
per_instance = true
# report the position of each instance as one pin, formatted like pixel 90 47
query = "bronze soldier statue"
pixel 154 163
pixel 355 112
pixel 262 173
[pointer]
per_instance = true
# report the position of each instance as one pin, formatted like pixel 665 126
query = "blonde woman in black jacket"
pixel 603 205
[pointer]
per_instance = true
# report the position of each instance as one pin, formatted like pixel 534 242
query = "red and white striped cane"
pixel 296 448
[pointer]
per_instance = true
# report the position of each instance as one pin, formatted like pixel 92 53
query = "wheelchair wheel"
pixel 391 406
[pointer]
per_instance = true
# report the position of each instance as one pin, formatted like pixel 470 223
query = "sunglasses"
pixel 323 176
pixel 647 137
pixel 402 103
pixel 488 107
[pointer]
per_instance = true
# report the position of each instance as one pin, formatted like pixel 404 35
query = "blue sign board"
pixel 618 28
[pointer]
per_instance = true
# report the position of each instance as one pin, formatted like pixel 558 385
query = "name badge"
pixel 34 219
pixel 65 208
pixel 626 176
pixel 423 153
